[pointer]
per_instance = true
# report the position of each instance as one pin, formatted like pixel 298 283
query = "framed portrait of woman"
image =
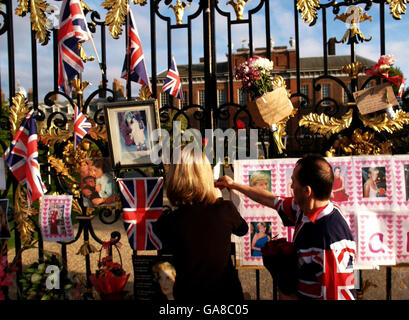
pixel 343 188
pixel 130 125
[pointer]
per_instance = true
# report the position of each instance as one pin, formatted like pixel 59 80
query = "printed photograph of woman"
pixel 97 184
pixel 373 182
pixel 4 226
pixel 165 274
pixel 338 188
pixel 56 219
pixel 260 179
pixel 260 238
pixel 133 130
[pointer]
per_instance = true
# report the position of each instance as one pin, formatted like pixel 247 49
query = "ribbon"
pixel 397 80
pixel 108 244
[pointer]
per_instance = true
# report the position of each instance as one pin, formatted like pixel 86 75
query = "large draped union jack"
pixel 21 158
pixel 142 204
pixel 81 126
pixel 138 72
pixel 172 84
pixel 73 30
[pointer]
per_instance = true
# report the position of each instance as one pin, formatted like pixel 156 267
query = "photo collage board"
pixel 372 193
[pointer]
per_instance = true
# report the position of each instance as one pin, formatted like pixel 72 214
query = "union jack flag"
pixel 172 84
pixel 138 71
pixel 81 126
pixel 142 200
pixel 73 30
pixel 21 158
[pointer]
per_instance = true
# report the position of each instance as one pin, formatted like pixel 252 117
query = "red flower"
pixel 240 124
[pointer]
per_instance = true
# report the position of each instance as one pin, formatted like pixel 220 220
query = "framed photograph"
pixel 130 126
pixel 55 218
pixel 97 182
pixel 4 224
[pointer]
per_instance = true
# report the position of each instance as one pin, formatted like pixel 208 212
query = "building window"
pixel 221 97
pixel 185 98
pixel 164 99
pixel 201 101
pixel 305 90
pixel 345 92
pixel 325 93
pixel 242 97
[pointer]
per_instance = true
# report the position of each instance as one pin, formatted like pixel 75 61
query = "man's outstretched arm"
pixel 261 196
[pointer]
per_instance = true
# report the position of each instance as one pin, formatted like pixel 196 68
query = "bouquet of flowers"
pixel 255 75
pixel 7 271
pixel 110 278
pixel 280 258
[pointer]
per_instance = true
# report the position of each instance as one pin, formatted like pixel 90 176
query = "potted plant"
pixel 269 99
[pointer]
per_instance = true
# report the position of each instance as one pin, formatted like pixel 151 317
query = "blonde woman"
pixel 259 180
pixel 370 187
pixel 198 233
pixel 164 273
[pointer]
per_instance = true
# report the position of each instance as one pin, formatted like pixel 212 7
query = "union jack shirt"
pixel 326 251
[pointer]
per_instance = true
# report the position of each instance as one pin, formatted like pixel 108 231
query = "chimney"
pixel 331 46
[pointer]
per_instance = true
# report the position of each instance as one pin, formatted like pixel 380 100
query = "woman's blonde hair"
pixel 258 176
pixel 162 266
pixel 191 181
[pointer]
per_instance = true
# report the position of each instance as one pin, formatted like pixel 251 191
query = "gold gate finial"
pixel 179 9
pixel 238 7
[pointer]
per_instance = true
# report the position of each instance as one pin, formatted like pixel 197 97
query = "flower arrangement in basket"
pixel 280 259
pixel 270 102
pixel 110 278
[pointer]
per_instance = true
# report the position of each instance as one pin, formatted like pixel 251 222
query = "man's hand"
pixel 224 182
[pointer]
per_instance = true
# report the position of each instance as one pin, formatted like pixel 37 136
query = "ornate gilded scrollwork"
pixel 281 131
pixel 18 111
pixel 238 7
pixel 22 213
pixel 37 17
pixel 353 69
pixel 308 9
pixel 115 18
pixel 397 8
pixel 322 124
pixel 381 122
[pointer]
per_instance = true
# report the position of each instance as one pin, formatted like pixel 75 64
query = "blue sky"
pixel 282 28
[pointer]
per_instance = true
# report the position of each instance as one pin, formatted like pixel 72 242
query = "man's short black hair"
pixel 316 172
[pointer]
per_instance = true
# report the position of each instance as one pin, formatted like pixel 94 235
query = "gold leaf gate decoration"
pixel 37 17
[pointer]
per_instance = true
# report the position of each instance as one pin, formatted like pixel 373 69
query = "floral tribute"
pixel 255 75
pixel 280 259
pixel 110 278
pixel 7 271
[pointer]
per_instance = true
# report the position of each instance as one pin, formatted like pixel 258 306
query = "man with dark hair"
pixel 322 240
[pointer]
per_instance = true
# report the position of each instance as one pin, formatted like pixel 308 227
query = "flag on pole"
pixel 172 84
pixel 138 72
pixel 21 158
pixel 81 126
pixel 73 30
pixel 142 204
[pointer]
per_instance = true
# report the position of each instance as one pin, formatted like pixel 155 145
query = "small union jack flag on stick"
pixel 22 158
pixel 142 204
pixel 172 84
pixel 81 126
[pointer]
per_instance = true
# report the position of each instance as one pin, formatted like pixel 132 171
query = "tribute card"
pixel 401 231
pixel 401 174
pixel 376 242
pixel 55 218
pixel 285 171
pixel 373 177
